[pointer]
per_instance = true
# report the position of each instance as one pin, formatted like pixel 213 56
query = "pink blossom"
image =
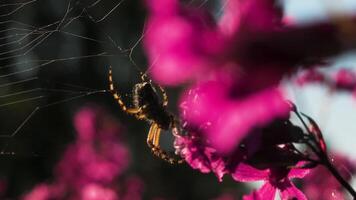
pixel 235 63
pixel 194 43
pixel 190 40
pixel 345 79
pixel 275 180
pixel 310 76
pixel 341 80
pixel 200 156
pixel 197 47
pixel 229 119
pixel 40 192
pixel 90 167
pixel 319 185
pixel 258 150
pixel 97 192
pixel 97 155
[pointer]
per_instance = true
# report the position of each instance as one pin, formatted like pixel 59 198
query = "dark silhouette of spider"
pixel 148 106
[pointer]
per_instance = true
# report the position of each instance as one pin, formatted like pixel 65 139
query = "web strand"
pixel 19 39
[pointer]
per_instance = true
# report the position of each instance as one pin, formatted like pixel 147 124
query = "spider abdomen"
pixel 146 98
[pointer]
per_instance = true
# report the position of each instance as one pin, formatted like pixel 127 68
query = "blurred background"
pixel 54 58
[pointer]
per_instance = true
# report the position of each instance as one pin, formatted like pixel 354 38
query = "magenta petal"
pixel 162 7
pixel 204 103
pixel 246 173
pixel 298 172
pixel 172 59
pixel 310 76
pixel 97 192
pixel 266 192
pixel 261 14
pixel 230 19
pixel 345 78
pixel 40 192
pixel 199 156
pixel 291 192
pixel 245 114
pixel 228 120
pixel 191 44
pixel 83 122
pixel 193 153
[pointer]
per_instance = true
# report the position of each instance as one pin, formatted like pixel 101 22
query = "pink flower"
pixel 200 156
pixel 40 192
pixel 91 166
pixel 341 80
pixel 194 43
pixel 310 76
pixel 262 149
pixel 235 116
pixel 190 43
pixel 319 185
pixel 242 96
pixel 249 37
pixel 277 179
pixel 228 119
pixel 97 192
pixel 345 79
pixel 98 155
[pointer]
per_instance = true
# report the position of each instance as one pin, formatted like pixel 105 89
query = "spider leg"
pixel 117 97
pixel 150 136
pixel 153 143
pixel 144 77
pixel 165 97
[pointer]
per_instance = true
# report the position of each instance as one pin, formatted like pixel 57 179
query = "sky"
pixel 335 113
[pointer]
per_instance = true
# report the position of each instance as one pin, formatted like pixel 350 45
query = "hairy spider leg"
pixel 144 77
pixel 117 97
pixel 150 135
pixel 165 97
pixel 153 142
pixel 156 137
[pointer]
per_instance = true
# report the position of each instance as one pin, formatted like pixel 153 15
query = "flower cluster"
pixel 233 112
pixel 244 54
pixel 266 154
pixel 342 80
pixel 199 48
pixel 90 169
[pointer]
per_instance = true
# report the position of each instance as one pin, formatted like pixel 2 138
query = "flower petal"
pixel 246 173
pixel 191 42
pixel 292 192
pixel 243 115
pixel 266 192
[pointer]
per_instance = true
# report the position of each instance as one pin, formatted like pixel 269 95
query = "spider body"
pixel 148 106
pixel 145 97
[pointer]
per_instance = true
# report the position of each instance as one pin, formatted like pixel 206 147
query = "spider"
pixel 147 106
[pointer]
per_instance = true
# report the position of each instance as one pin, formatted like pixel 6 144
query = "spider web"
pixel 54 58
pixel 55 55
